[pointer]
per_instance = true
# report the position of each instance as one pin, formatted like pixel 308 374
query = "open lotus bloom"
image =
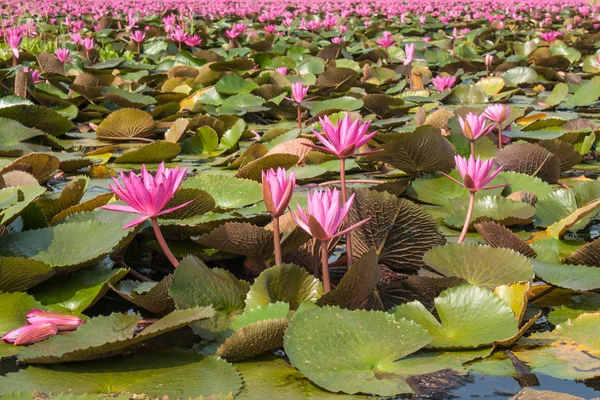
pixel 277 190
pixel 442 83
pixel 64 322
pixel 299 92
pixel 30 334
pixel 343 138
pixel 148 195
pixel 497 113
pixel 476 173
pixel 474 126
pixel 325 214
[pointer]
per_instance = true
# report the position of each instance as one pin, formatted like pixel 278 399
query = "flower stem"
pixel 325 266
pixel 346 219
pixel 163 244
pixel 299 118
pixel 463 234
pixel 499 135
pixel 410 77
pixel 277 241
pixel 473 148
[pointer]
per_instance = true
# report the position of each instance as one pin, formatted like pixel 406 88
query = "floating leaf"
pixel 519 75
pixel 576 277
pixel 152 153
pixel 104 336
pixel 253 340
pixel 13 310
pixel 18 274
pixel 530 159
pixel 354 351
pixel 479 265
pixel 345 103
pixel 253 170
pixel 470 316
pixel 497 235
pixel 227 191
pixel 125 124
pixel 154 298
pixel 558 229
pixel 504 211
pixel 157 374
pixel 554 207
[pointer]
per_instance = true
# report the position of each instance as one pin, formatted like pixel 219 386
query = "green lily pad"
pixel 234 84
pixel 104 336
pixel 554 207
pixel 18 273
pixel 227 191
pixel 54 245
pixel 480 265
pixel 272 377
pixel 518 182
pixel 585 95
pixel 505 211
pixel 353 351
pixel 161 373
pixel 239 104
pixel 38 117
pixel 467 94
pixel 253 170
pixel 13 200
pixel 588 302
pixel 576 277
pixel 470 316
pixel 253 340
pixel 76 293
pixel 345 103
pixel 285 283
pixel 558 229
pixel 126 98
pixel 519 75
pixel 194 284
pixel 12 136
pixel 13 310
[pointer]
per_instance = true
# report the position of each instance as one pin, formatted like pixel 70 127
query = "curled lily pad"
pixel 152 153
pixel 19 273
pixel 497 235
pixel 152 296
pixel 41 165
pixel 530 159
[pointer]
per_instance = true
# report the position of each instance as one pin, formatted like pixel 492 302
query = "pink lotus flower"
pixel 76 38
pixel 497 113
pixel 178 35
pixel 283 71
pixel 88 44
pixel 14 37
pixel 344 138
pixel 299 92
pixel 386 41
pixel 336 40
pixel 63 55
pixel 270 29
pixel 474 126
pixel 442 83
pixel 489 59
pixel 325 215
pixel 64 322
pixel 476 173
pixel 149 195
pixel 30 334
pixel 138 36
pixel 550 36
pixel 277 190
pixel 35 75
pixel 193 41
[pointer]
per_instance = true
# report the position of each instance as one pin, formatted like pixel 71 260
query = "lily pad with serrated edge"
pixel 152 153
pixel 41 165
pixel 253 170
pixel 470 316
pixel 554 207
pixel 19 273
pixel 500 209
pixel 479 265
pixel 575 277
pixel 497 235
pixel 424 150
pixel 530 159
pixel 559 228
pixel 125 124
pixel 154 298
pixel 399 230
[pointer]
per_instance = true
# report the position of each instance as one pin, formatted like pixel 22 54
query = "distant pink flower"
pixel 35 74
pixel 474 126
pixel 476 173
pixel 299 92
pixel 409 52
pixel 270 29
pixel 88 44
pixel 497 113
pixel 325 214
pixel 76 38
pixel 277 190
pixel 336 40
pixel 488 59
pixel 64 322
pixel 63 55
pixel 550 36
pixel 30 334
pixel 138 36
pixel 427 39
pixel 14 37
pixel 386 41
pixel 148 195
pixel 282 70
pixel 343 138
pixel 178 35
pixel 442 83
